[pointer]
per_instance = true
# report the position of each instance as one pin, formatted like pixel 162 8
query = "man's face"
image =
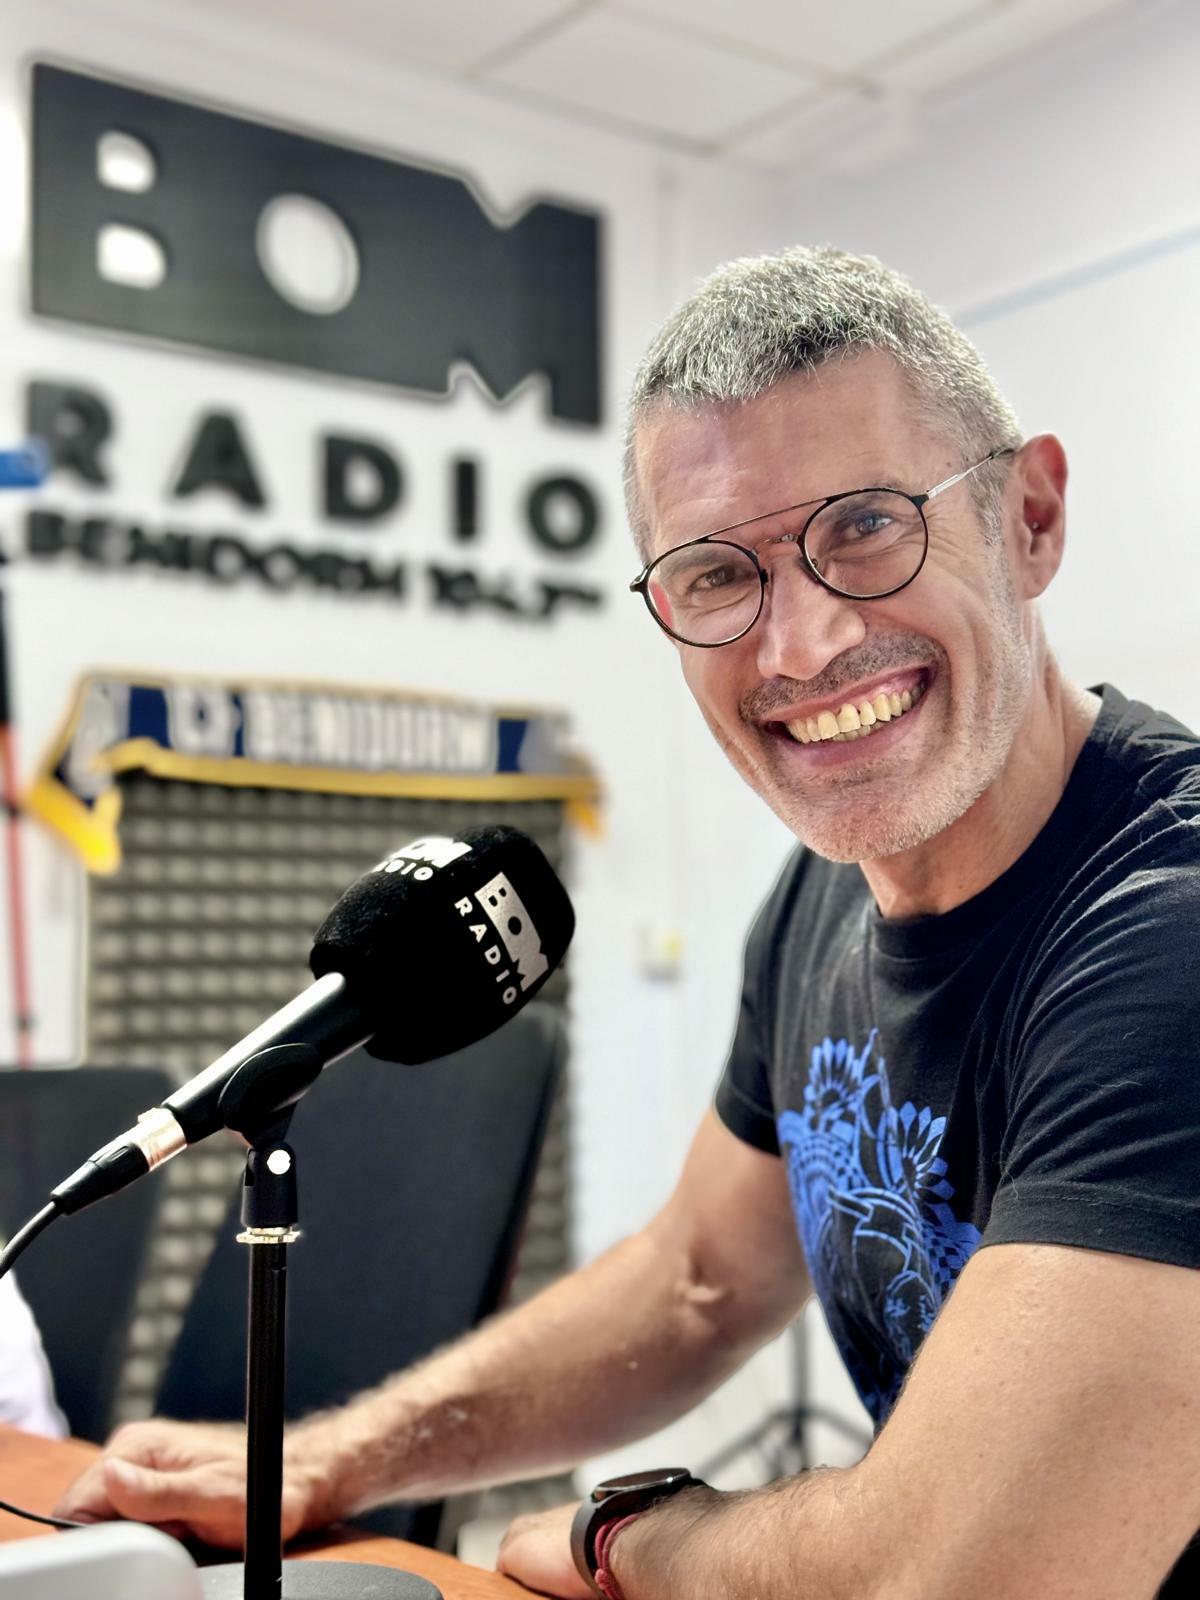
pixel 955 641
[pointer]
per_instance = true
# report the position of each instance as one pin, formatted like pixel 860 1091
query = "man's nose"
pixel 803 627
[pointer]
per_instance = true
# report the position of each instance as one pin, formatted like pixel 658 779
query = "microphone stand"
pixel 256 1104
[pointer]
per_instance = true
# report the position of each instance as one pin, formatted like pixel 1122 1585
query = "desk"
pixel 33 1472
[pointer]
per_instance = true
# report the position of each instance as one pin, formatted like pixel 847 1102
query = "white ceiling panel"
pixel 993 37
pixel 642 75
pixel 769 82
pixel 448 35
pixel 793 142
pixel 840 38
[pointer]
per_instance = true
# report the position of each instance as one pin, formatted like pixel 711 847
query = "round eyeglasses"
pixel 862 545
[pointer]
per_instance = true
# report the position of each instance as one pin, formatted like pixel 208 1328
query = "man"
pixel 967 1021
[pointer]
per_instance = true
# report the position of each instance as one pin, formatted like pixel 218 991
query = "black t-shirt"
pixel 1025 1067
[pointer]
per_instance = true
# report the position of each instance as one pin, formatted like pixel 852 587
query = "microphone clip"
pixel 259 1098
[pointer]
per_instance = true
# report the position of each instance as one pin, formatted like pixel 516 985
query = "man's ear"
pixel 1036 506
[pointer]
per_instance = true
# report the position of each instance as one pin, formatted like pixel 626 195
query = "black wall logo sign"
pixel 439 282
pixel 77 429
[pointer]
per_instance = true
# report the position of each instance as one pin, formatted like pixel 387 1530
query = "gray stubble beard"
pixel 947 792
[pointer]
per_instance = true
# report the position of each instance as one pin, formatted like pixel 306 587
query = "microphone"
pixel 435 947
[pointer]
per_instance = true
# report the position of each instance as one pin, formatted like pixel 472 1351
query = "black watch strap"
pixel 615 1499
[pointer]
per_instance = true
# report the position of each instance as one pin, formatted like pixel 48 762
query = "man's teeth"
pixel 855 721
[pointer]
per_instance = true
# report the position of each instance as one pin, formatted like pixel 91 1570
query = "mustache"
pixel 868 660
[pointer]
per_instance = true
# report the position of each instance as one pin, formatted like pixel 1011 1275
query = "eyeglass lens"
pixel 865 545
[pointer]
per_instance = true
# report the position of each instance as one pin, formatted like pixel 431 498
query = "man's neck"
pixel 1001 825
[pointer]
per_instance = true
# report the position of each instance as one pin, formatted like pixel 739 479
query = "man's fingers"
pixel 536 1551
pixel 86 1500
pixel 143 1494
pixel 175 1530
pixel 174 1475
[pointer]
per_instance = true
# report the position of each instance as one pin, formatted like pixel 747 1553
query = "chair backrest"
pixel 413 1185
pixel 81 1277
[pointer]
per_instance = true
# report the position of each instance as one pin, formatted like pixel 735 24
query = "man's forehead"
pixel 706 467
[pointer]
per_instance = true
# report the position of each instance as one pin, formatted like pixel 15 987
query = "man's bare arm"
pixel 609 1354
pixel 1047 1443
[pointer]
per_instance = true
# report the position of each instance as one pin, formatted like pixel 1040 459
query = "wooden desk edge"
pixel 35 1471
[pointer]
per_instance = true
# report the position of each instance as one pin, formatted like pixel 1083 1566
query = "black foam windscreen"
pixel 446 938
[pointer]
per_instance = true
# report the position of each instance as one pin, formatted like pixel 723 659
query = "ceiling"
pixel 760 81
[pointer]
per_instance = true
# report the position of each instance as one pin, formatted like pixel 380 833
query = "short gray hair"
pixel 760 319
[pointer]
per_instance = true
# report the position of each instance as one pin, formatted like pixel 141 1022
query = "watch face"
pixel 655 1482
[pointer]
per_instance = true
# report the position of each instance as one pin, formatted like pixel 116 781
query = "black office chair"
pixel 413 1188
pixel 81 1277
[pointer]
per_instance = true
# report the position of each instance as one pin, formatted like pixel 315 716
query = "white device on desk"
pixel 112 1561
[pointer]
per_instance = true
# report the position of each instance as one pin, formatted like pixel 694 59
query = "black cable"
pixel 27 1235
pixel 35 1516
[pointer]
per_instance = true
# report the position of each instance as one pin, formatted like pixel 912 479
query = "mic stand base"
pixel 323 1580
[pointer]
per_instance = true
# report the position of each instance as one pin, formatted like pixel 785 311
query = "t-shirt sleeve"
pixel 743 1100
pixel 1102 1148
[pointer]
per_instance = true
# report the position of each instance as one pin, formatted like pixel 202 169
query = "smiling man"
pixel 808 673
pixel 965 1057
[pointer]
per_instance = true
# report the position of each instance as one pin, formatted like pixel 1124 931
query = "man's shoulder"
pixel 1126 892
pixel 1145 756
pixel 811 903
pixel 1144 794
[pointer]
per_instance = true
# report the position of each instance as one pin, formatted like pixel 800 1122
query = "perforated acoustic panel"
pixel 203 932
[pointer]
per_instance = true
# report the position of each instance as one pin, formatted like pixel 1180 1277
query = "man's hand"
pixel 185 1477
pixel 611 1352
pixel 536 1551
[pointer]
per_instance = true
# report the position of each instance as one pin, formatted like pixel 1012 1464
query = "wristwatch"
pixel 613 1501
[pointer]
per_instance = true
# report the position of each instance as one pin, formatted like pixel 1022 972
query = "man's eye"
pixel 714 577
pixel 865 523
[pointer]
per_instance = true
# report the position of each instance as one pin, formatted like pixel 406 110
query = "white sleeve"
pixel 26 1387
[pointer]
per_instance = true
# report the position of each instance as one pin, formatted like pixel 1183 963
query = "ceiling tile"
pixel 991 37
pixel 839 38
pixel 643 75
pixel 449 36
pixel 788 142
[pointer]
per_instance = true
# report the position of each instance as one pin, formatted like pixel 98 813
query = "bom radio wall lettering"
pixel 441 283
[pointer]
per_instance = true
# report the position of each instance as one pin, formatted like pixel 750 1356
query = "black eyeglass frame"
pixel 640 584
